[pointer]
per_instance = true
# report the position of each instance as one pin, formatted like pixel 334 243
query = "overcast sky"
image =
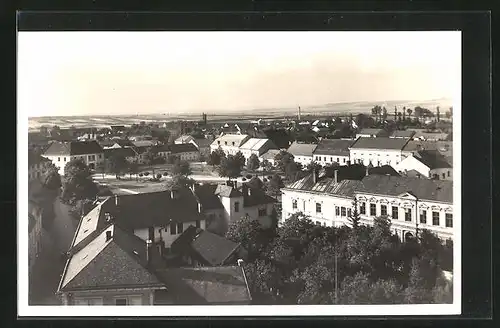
pixel 85 73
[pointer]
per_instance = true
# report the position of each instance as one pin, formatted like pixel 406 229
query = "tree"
pixel 181 168
pixel 253 162
pixel 275 185
pixel 409 111
pixel 354 216
pixel 358 289
pixel 133 168
pixel 117 164
pixel 230 167
pixel 150 157
pixel 77 182
pixel 249 233
pixel 395 113
pixel 313 167
pixel 240 158
pixel 178 182
pixel 404 113
pixel 216 157
pixel 416 292
pixel 264 281
pixel 51 178
pixel 384 113
pixel 438 116
pixel 102 167
pixel 283 159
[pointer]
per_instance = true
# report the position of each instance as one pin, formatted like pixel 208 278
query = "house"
pixel 256 146
pixel 128 153
pixel 269 156
pixel 35 232
pixel 117 143
pixel 331 151
pixel 229 143
pixel 60 153
pixel 405 134
pixel 115 267
pixel 302 152
pixel 377 151
pixel 37 165
pixel 410 203
pixel 197 247
pixel 445 148
pixel 428 163
pixel 186 152
pixel 372 133
pixel 203 145
pixel 184 139
pixel 224 203
pixel 423 134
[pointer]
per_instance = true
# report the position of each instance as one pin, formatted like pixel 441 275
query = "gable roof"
pixel 338 147
pixel 301 149
pixel 424 189
pixel 73 148
pixel 432 159
pixel 344 188
pixel 238 139
pixel 182 148
pixel 184 139
pixel 101 263
pixel 202 142
pixel 125 152
pixel 371 131
pixel 380 143
pixel 254 196
pixel 254 144
pixel 208 285
pixel 207 197
pixel 227 191
pixel 270 154
pixel 144 143
pixel 403 134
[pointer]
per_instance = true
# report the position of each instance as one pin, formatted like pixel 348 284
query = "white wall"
pixel 443 174
pixel 328 159
pixel 304 160
pixel 411 163
pixel 165 232
pixel 60 161
pixel 378 157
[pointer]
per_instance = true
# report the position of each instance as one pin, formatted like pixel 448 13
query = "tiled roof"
pixel 182 148
pixel 270 154
pixel 279 137
pixel 212 249
pixel 203 143
pixel 144 143
pixel 380 143
pixel 424 189
pixel 255 196
pixel 301 149
pixel 227 191
pixel 344 188
pixel 184 139
pixel 119 263
pixel 333 147
pixel 126 152
pixel 375 132
pixel 207 197
pixel 432 159
pixel 420 133
pixel 238 139
pixel 208 285
pixel 73 148
pixel 254 144
pixel 403 134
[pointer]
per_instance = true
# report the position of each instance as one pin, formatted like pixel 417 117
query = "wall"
pixel 328 159
pixel 304 160
pixel 61 160
pixel 164 232
pixel 378 157
pixel 411 163
pixel 448 173
pixel 229 214
pixel 108 296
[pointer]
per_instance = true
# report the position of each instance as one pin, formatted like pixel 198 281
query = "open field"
pixel 345 108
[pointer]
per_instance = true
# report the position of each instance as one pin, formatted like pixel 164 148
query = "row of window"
pixel 318 158
pixel 225 143
pixel 122 300
pixel 178 228
pixel 379 162
pixel 90 157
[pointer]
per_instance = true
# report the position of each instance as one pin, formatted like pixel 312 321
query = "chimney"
pixel 240 262
pixel 117 201
pixel 108 235
pixel 149 246
pixel 335 176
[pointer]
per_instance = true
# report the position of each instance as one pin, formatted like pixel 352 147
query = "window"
pixel 120 301
pixel 237 207
pixel 394 212
pixel 173 229
pixel 218 142
pixel 342 211
pixel 180 227
pixel 318 223
pixel 373 209
pixel 407 214
pixel 362 208
pixel 349 212
pixel 337 211
pixel 449 220
pixel 262 212
pixel 88 301
pixel 448 173
pixel 423 216
pixel 294 204
pixel 324 158
pixel 198 224
pixel 344 160
pixel 383 209
pixel 64 158
pixel 225 143
pixel 435 218
pixel 59 159
pixel 331 159
pixel 318 207
pixel 444 176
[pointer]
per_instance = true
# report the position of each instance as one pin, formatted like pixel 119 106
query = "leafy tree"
pixel 354 216
pixel 275 185
pixel 416 292
pixel 384 113
pixel 51 178
pixel 313 167
pixel 395 113
pixel 264 281
pixel 409 111
pixel 133 168
pixel 240 158
pixel 230 167
pixel 283 159
pixel 253 162
pixel 249 233
pixel 102 167
pixel 150 157
pixel 358 289
pixel 181 168
pixel 117 164
pixel 77 182
pixel 178 182
pixel 216 157
pixel 292 169
pixel 438 115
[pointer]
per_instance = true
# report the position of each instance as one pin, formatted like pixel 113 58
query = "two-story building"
pixel 185 152
pixel 428 163
pixel 377 151
pixel 302 152
pixel 60 153
pixel 410 203
pixel 229 143
pixel 331 151
pixel 256 146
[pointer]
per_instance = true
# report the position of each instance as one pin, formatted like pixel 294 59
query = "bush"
pixel 269 177
pixel 243 179
pixel 264 180
pixel 146 174
pixel 248 176
pixel 165 173
pixel 158 176
pixel 141 175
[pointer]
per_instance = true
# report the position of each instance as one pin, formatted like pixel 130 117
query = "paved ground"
pixel 49 265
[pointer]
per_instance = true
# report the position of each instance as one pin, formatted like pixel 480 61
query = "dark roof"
pixel 126 152
pixel 118 263
pixel 344 188
pixel 369 131
pixel 333 147
pixel 432 159
pixel 253 196
pixel 380 143
pixel 203 143
pixel 444 147
pixel 279 137
pixel 207 197
pixel 383 170
pixel 212 249
pixel 73 148
pixel 182 148
pixel 34 159
pixel 227 191
pixel 424 189
pixel 208 285
pixel 403 134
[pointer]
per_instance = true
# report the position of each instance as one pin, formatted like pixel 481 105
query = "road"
pixel 49 265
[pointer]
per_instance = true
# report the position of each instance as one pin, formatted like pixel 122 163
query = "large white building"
pixel 331 151
pixel 229 143
pixel 302 152
pixel 60 153
pixel 256 146
pixel 428 163
pixel 378 151
pixel 410 203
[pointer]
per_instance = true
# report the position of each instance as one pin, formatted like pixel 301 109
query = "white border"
pixel 25 310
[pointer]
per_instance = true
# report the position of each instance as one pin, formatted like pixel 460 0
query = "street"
pixel 49 264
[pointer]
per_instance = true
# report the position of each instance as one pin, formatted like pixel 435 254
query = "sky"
pixel 110 73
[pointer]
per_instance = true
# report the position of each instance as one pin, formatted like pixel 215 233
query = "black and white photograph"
pixel 287 173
